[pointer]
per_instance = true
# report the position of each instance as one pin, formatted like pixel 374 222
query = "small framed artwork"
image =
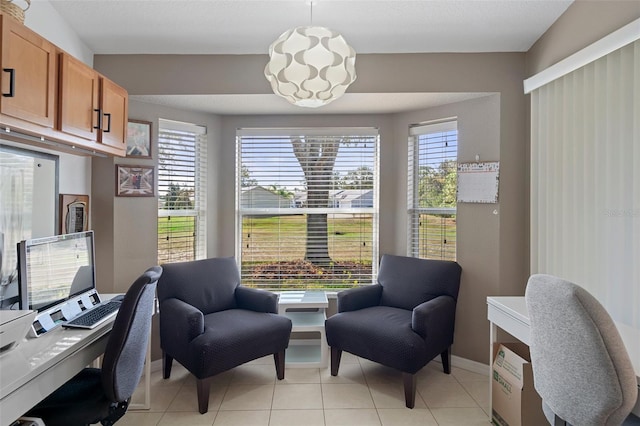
pixel 74 213
pixel 134 181
pixel 139 139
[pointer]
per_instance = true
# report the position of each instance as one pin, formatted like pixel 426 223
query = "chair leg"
pixel 336 354
pixel 557 421
pixel 203 386
pixel 278 358
pixel 446 360
pixel 167 361
pixel 409 389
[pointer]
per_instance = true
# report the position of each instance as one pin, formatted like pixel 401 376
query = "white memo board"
pixel 478 182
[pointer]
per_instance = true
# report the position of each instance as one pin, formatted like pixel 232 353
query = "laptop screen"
pixel 54 269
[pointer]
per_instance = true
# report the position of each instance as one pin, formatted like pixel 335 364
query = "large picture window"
pixel 182 177
pixel 433 158
pixel 307 207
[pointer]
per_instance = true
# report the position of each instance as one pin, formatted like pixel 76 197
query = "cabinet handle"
pixel 12 82
pixel 99 126
pixel 108 115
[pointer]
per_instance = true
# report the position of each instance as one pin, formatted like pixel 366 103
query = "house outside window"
pixel 307 207
pixel 432 187
pixel 182 178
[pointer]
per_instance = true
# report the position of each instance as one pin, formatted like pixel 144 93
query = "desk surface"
pixel 38 366
pixel 515 308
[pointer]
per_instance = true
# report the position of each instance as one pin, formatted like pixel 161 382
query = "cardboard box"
pixel 515 401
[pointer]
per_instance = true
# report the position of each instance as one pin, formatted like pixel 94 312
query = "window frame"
pixel 330 211
pixel 198 172
pixel 416 244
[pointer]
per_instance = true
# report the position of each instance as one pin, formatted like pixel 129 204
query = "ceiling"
pixel 248 27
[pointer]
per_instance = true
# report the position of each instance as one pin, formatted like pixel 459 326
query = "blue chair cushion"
pixel 390 342
pixel 236 336
pixel 208 284
pixel 409 281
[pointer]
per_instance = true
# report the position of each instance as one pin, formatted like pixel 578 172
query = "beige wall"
pixel 492 255
pixel 126 227
pixel 478 227
pixel 583 23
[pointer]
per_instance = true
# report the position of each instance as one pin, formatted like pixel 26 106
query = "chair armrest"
pixel 178 320
pixel 257 300
pixel 359 298
pixel 435 319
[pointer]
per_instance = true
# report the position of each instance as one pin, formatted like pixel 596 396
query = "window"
pixel 182 177
pixel 307 207
pixel 433 156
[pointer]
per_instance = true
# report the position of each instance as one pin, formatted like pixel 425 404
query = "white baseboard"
pixel 467 364
pixel 156 365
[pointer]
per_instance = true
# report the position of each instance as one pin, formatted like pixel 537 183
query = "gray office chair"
pixel 103 395
pixel 581 368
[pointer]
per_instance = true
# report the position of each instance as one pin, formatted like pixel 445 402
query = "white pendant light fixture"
pixel 310 66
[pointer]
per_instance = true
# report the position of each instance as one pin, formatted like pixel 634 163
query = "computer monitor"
pixel 52 270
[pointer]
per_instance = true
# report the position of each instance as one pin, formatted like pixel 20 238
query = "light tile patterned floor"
pixel 364 393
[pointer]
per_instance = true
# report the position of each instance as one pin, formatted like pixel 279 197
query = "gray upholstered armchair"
pixel 210 324
pixel 581 368
pixel 403 321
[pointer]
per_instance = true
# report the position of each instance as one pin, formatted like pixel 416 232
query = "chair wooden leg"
pixel 278 358
pixel 557 421
pixel 409 389
pixel 167 361
pixel 336 354
pixel 446 360
pixel 203 386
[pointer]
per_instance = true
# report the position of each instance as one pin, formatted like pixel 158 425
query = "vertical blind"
pixel 182 180
pixel 307 207
pixel 585 180
pixel 432 174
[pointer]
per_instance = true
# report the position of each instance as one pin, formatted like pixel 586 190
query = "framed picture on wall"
pixel 134 181
pixel 139 139
pixel 74 213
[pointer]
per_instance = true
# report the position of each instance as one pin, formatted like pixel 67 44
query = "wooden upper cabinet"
pixel 91 106
pixel 79 106
pixel 114 101
pixel 28 77
pixel 48 93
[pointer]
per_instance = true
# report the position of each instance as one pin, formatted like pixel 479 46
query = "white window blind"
pixel 307 207
pixel 432 174
pixel 182 180
pixel 585 180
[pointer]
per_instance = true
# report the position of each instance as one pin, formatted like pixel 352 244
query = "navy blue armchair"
pixel 403 321
pixel 209 323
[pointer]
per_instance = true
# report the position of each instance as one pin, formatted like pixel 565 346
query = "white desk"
pixel 510 314
pixel 38 366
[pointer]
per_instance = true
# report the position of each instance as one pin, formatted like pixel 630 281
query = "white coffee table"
pixel 306 309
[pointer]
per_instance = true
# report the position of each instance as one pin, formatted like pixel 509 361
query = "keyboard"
pixel 94 316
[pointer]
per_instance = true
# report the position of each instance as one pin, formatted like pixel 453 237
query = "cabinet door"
pixel 114 102
pixel 28 76
pixel 78 111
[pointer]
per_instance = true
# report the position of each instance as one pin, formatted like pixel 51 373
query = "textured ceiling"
pixel 249 27
pixel 241 26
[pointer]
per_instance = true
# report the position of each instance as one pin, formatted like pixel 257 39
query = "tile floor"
pixel 363 394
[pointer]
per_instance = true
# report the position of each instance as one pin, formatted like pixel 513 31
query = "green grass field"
pixel 273 248
pixel 266 239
